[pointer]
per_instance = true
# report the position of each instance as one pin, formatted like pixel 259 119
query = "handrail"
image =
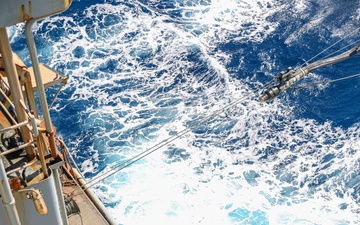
pixel 6 111
pixel 25 108
pixel 14 83
pixel 4 85
pixel 13 127
pixel 37 140
pixel 7 198
pixel 21 167
pixel 17 148
pixel 68 157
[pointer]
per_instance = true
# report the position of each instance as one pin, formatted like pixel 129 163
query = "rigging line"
pixel 344 78
pixel 162 144
pixel 60 140
pixel 330 47
pixel 157 147
pixel 325 82
pixel 141 155
pixel 353 43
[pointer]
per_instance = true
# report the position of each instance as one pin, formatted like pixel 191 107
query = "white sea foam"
pixel 253 164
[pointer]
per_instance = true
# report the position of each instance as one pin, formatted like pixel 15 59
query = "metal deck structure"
pixel 38 184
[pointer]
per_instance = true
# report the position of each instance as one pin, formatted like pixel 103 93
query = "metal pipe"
pixel 39 82
pixel 6 97
pixel 7 198
pixel 20 147
pixel 30 94
pixel 22 124
pixel 39 147
pixel 57 93
pixel 21 167
pixel 7 113
pixel 59 192
pixel 15 89
pixel 52 144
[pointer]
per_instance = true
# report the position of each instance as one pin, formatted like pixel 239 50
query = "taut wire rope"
pixel 132 160
pixel 307 61
pixel 326 82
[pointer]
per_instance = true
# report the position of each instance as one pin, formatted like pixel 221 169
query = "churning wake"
pixel 141 71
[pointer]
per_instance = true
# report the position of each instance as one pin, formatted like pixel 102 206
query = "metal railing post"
pixel 15 88
pixel 54 168
pixel 40 85
pixel 7 198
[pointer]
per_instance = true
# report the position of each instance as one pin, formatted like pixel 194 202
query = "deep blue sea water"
pixel 141 71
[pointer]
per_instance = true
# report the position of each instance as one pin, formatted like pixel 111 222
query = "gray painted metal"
pixel 7 199
pixel 27 211
pixel 29 215
pixel 59 191
pixel 13 12
pixel 35 64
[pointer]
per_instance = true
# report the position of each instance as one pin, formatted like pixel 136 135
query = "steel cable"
pixel 167 141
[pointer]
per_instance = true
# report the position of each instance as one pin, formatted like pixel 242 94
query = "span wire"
pixel 347 46
pixel 167 141
pixel 308 61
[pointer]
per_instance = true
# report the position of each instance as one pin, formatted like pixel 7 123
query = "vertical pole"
pixel 40 147
pixel 30 94
pixel 15 89
pixel 7 198
pixel 59 192
pixel 39 84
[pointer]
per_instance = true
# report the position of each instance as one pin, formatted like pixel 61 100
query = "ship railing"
pixel 70 163
pixel 4 88
pixel 38 140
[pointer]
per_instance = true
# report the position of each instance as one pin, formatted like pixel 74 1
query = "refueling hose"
pixel 290 77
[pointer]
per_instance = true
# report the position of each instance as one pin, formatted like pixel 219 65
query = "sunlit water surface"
pixel 141 71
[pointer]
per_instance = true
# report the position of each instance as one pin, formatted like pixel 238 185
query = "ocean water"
pixel 142 71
